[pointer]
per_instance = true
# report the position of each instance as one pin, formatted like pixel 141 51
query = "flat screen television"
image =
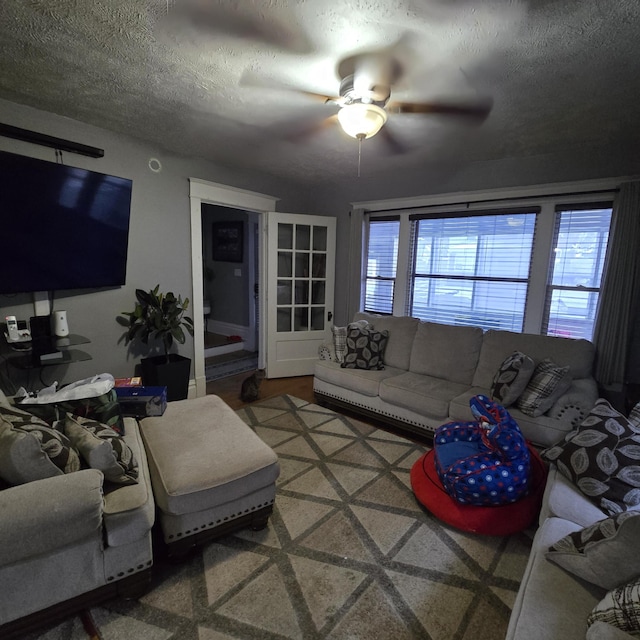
pixel 61 227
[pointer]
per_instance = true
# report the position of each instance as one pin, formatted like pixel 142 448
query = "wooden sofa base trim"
pixel 132 586
pixel 255 520
pixel 387 423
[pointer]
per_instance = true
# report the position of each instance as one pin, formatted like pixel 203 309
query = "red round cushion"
pixel 499 520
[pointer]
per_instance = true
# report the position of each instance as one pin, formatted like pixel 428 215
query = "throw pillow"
pixel 339 342
pixel 634 416
pixel 365 348
pixel 104 408
pixel 604 553
pixel 32 450
pixel 102 448
pixel 619 608
pixel 340 338
pixel 601 458
pixel 512 378
pixel 547 384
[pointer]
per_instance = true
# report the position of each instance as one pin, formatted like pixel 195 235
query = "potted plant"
pixel 159 316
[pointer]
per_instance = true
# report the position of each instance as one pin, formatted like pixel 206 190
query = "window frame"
pixel 496 200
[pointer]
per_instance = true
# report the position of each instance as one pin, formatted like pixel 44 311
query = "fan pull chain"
pixel 360 139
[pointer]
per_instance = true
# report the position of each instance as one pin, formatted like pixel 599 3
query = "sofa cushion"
pixel 446 351
pixel 512 378
pixel 620 608
pixel 422 394
pixel 604 553
pixel 402 331
pixel 364 381
pixel 601 459
pixel 31 450
pixel 578 355
pixel 548 382
pixel 365 348
pixel 102 448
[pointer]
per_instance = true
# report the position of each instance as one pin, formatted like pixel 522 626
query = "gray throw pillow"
pixel 32 450
pixel 619 608
pixel 102 448
pixel 604 553
pixel 601 457
pixel 512 378
pixel 547 384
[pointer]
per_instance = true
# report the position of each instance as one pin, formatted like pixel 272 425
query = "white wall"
pixel 159 240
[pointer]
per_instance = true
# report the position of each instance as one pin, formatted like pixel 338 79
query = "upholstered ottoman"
pixel 211 474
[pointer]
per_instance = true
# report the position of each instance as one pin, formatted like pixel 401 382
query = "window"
pixel 579 247
pixel 381 262
pixel 472 269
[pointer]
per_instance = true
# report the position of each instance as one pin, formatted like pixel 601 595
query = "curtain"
pixel 620 289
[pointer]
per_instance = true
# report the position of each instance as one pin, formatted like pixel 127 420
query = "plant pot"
pixel 170 371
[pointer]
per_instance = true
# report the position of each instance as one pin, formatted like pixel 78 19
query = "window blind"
pixel 473 269
pixel 382 258
pixel 577 263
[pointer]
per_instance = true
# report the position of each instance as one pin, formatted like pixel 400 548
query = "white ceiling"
pixel 563 75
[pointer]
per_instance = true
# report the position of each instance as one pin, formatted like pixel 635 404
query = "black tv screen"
pixel 61 227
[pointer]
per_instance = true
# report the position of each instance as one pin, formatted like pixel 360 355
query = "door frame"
pixel 203 191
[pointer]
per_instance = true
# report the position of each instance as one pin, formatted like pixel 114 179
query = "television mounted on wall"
pixel 62 227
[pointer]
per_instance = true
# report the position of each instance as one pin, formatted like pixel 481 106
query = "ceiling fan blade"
pixel 392 142
pixel 252 80
pixel 303 128
pixel 478 109
pixel 209 18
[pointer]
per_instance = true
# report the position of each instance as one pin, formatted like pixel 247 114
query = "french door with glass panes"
pixel 300 285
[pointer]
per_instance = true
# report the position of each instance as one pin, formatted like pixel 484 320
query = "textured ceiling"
pixel 563 75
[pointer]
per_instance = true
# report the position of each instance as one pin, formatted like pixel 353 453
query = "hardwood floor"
pixel 229 388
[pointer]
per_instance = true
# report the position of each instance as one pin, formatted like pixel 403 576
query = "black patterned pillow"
pixel 601 457
pixel 512 378
pixel 547 384
pixel 102 448
pixel 32 450
pixel 603 553
pixel 619 608
pixel 104 408
pixel 365 348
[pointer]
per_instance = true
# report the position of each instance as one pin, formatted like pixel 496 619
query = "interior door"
pixel 301 251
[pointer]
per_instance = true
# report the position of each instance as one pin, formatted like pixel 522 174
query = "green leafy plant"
pixel 158 316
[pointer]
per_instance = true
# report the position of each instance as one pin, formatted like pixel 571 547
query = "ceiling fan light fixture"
pixel 361 120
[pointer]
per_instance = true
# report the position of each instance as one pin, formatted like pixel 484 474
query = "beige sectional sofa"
pixel 552 603
pixel 66 543
pixel 432 370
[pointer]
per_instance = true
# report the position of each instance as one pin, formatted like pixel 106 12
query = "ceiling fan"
pixel 364 98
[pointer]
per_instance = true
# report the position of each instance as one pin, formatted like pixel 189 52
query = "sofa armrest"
pixel 574 405
pixel 603 631
pixel 43 515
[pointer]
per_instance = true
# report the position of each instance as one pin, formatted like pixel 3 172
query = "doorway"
pixel 201 192
pixel 230 255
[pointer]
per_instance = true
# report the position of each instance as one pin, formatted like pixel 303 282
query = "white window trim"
pixel 546 197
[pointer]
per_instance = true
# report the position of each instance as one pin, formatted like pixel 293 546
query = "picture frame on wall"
pixel 227 241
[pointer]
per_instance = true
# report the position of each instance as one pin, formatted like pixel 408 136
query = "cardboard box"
pixel 128 382
pixel 142 402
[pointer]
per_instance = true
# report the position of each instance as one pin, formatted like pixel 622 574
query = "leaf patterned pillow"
pixel 365 348
pixel 32 450
pixel 602 458
pixel 512 378
pixel 102 448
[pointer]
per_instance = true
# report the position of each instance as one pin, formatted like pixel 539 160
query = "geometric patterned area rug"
pixel 348 554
